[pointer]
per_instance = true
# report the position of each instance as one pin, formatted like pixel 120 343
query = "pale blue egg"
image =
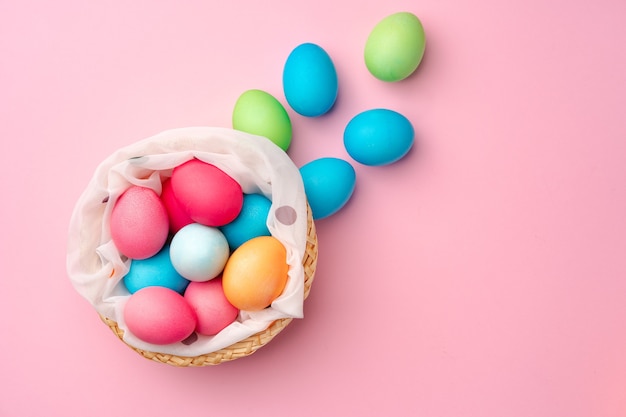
pixel 154 271
pixel 199 252
pixel 310 80
pixel 378 137
pixel 251 221
pixel 328 184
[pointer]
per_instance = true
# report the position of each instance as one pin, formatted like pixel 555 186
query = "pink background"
pixel 483 275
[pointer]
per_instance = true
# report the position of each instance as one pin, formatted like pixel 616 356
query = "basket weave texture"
pixel 252 343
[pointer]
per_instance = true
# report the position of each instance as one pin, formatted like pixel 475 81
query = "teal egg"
pixel 328 184
pixel 154 271
pixel 378 137
pixel 251 221
pixel 310 80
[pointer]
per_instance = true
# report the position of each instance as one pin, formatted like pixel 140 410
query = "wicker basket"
pixel 249 345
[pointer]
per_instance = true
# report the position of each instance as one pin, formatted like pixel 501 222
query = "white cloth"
pixel 96 268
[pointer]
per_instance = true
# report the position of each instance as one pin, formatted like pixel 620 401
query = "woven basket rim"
pixel 249 345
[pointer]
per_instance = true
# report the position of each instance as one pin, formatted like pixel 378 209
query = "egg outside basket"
pixel 252 343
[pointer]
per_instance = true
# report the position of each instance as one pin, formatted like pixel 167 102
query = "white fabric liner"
pixel 95 266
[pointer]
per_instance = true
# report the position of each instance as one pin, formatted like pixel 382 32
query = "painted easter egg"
pixel 256 273
pixel 212 309
pixel 138 223
pixel 395 47
pixel 251 222
pixel 199 252
pixel 177 214
pixel 260 113
pixel 156 270
pixel 328 185
pixel 209 195
pixel 159 315
pixel 378 137
pixel 310 80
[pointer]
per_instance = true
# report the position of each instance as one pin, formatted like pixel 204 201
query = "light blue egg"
pixel 251 221
pixel 199 252
pixel 378 137
pixel 154 271
pixel 328 184
pixel 310 80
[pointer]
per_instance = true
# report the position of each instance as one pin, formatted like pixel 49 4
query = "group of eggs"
pixel 199 253
pixel 374 137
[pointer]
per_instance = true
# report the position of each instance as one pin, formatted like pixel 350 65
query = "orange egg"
pixel 256 273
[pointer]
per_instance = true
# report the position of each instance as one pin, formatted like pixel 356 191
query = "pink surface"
pixel 483 275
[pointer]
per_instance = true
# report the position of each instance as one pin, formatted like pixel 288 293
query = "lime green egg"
pixel 259 113
pixel 395 47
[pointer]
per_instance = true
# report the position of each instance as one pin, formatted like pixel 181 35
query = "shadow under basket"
pixel 246 346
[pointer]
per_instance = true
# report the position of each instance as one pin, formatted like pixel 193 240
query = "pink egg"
pixel 209 195
pixel 213 310
pixel 139 224
pixel 159 315
pixel 178 216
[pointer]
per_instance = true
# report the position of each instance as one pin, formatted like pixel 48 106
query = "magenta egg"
pixel 139 224
pixel 209 195
pixel 212 309
pixel 159 315
pixel 178 216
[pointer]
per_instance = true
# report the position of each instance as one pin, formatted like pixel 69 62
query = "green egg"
pixel 260 113
pixel 395 47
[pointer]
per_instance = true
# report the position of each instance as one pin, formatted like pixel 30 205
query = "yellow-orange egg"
pixel 256 273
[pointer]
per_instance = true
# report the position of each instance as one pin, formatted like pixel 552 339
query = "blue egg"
pixel 251 221
pixel 310 80
pixel 154 271
pixel 199 252
pixel 328 184
pixel 378 137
